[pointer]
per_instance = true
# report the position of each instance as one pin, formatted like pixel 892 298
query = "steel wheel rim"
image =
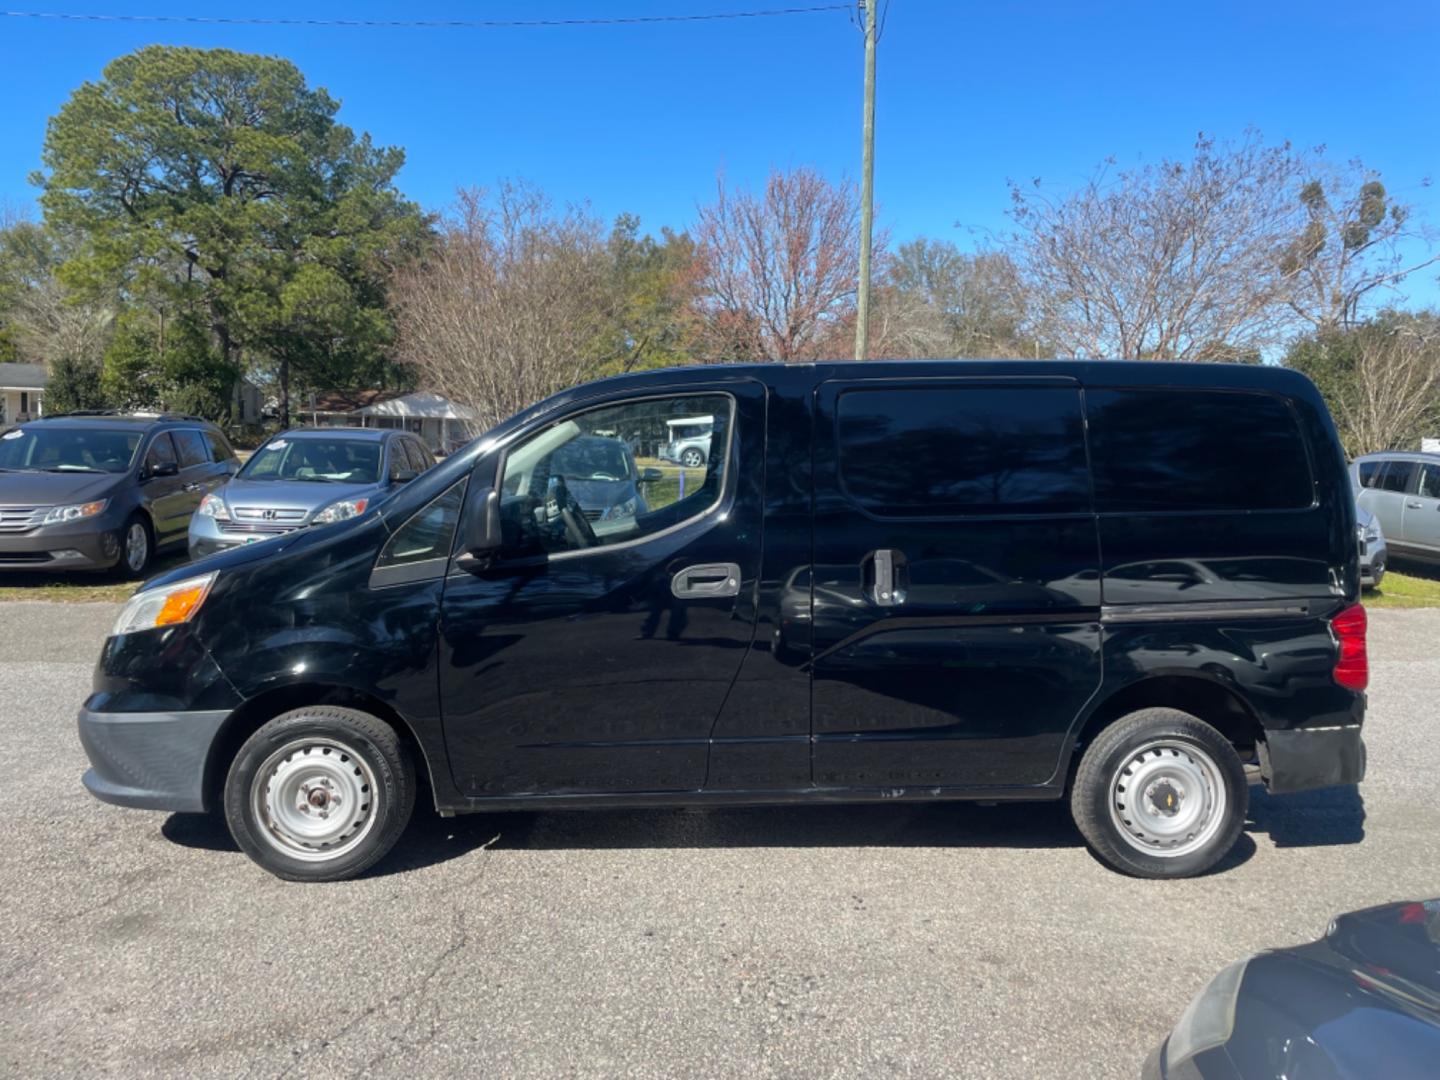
pixel 137 544
pixel 692 459
pixel 314 799
pixel 1168 798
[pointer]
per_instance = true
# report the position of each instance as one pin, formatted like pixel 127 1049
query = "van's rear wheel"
pixel 692 458
pixel 320 793
pixel 1160 794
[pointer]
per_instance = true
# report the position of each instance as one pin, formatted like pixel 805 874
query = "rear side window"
pixel 191 446
pixel 1196 450
pixel 1369 472
pixel 1430 481
pixel 949 451
pixel 1396 476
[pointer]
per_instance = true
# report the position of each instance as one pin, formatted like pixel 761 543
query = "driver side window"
pixel 615 474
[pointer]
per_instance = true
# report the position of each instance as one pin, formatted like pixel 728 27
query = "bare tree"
pixel 947 302
pixel 1393 389
pixel 776 272
pixel 1172 261
pixel 510 308
pixel 1349 245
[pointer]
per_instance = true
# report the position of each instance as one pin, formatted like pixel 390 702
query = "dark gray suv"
pixel 99 490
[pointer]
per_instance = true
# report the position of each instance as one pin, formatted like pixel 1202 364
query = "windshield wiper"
pixel 317 479
pixel 72 468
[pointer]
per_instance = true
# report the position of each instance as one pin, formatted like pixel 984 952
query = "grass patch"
pixel 1418 589
pixel 662 493
pixel 79 587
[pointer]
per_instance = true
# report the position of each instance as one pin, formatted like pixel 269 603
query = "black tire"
pixel 383 773
pixel 1189 741
pixel 140 569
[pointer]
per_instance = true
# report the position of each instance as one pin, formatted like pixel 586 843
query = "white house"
pixel 443 424
pixel 22 386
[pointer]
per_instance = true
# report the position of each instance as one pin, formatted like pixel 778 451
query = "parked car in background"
pixel 955 527
pixel 1373 548
pixel 1362 1003
pixel 309 476
pixel 1402 490
pixel 599 473
pixel 688 443
pixel 97 490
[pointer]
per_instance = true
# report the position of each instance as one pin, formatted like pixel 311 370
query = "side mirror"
pixel 651 475
pixel 482 527
pixel 162 468
pixel 403 476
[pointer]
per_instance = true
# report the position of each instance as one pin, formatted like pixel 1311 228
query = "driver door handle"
pixel 707 580
pixel 1414 504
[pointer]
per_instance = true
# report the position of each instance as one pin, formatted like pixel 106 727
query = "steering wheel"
pixel 577 525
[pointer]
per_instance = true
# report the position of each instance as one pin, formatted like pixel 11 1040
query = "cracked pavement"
pixel 822 941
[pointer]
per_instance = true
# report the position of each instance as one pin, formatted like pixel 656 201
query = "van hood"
pixel 54 488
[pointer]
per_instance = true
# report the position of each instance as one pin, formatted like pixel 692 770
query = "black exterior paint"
pixel 582 680
pixel 1364 1000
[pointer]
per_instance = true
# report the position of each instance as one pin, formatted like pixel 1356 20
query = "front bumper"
pixel 90 545
pixel 206 537
pixel 1372 562
pixel 1302 759
pixel 150 760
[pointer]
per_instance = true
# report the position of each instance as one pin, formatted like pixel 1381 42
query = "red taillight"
pixel 1352 669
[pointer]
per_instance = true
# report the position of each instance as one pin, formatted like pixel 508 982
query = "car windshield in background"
pixel 591 457
pixel 336 461
pixel 41 449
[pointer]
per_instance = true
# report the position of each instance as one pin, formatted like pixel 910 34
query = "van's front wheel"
pixel 1160 794
pixel 320 793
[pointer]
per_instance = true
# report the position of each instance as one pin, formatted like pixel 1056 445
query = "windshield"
pixel 54 449
pixel 591 457
pixel 335 461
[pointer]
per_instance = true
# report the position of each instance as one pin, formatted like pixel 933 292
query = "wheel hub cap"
pixel 1168 798
pixel 314 799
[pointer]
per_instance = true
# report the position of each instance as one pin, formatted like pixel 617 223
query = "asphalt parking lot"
pixel 885 940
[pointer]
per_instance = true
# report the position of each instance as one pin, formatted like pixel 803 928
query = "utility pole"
pixel 867 187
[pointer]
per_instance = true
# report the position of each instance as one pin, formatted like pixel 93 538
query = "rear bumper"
pixel 150 760
pixel 1302 759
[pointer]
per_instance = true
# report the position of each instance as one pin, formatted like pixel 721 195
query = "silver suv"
pixel 1402 490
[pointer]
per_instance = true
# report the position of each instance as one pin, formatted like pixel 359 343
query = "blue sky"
pixel 640 118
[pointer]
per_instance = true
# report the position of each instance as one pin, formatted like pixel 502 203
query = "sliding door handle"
pixel 706 581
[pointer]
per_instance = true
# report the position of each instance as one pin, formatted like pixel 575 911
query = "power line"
pixel 428 24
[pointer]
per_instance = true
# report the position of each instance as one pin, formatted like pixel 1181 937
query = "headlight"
pixel 625 509
pixel 341 511
pixel 212 506
pixel 165 606
pixel 1210 1019
pixel 1372 534
pixel 60 514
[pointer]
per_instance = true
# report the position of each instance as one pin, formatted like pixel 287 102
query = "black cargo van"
pixel 1129 585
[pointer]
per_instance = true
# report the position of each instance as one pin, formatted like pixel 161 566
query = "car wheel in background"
pixel 692 458
pixel 320 793
pixel 1160 794
pixel 137 546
